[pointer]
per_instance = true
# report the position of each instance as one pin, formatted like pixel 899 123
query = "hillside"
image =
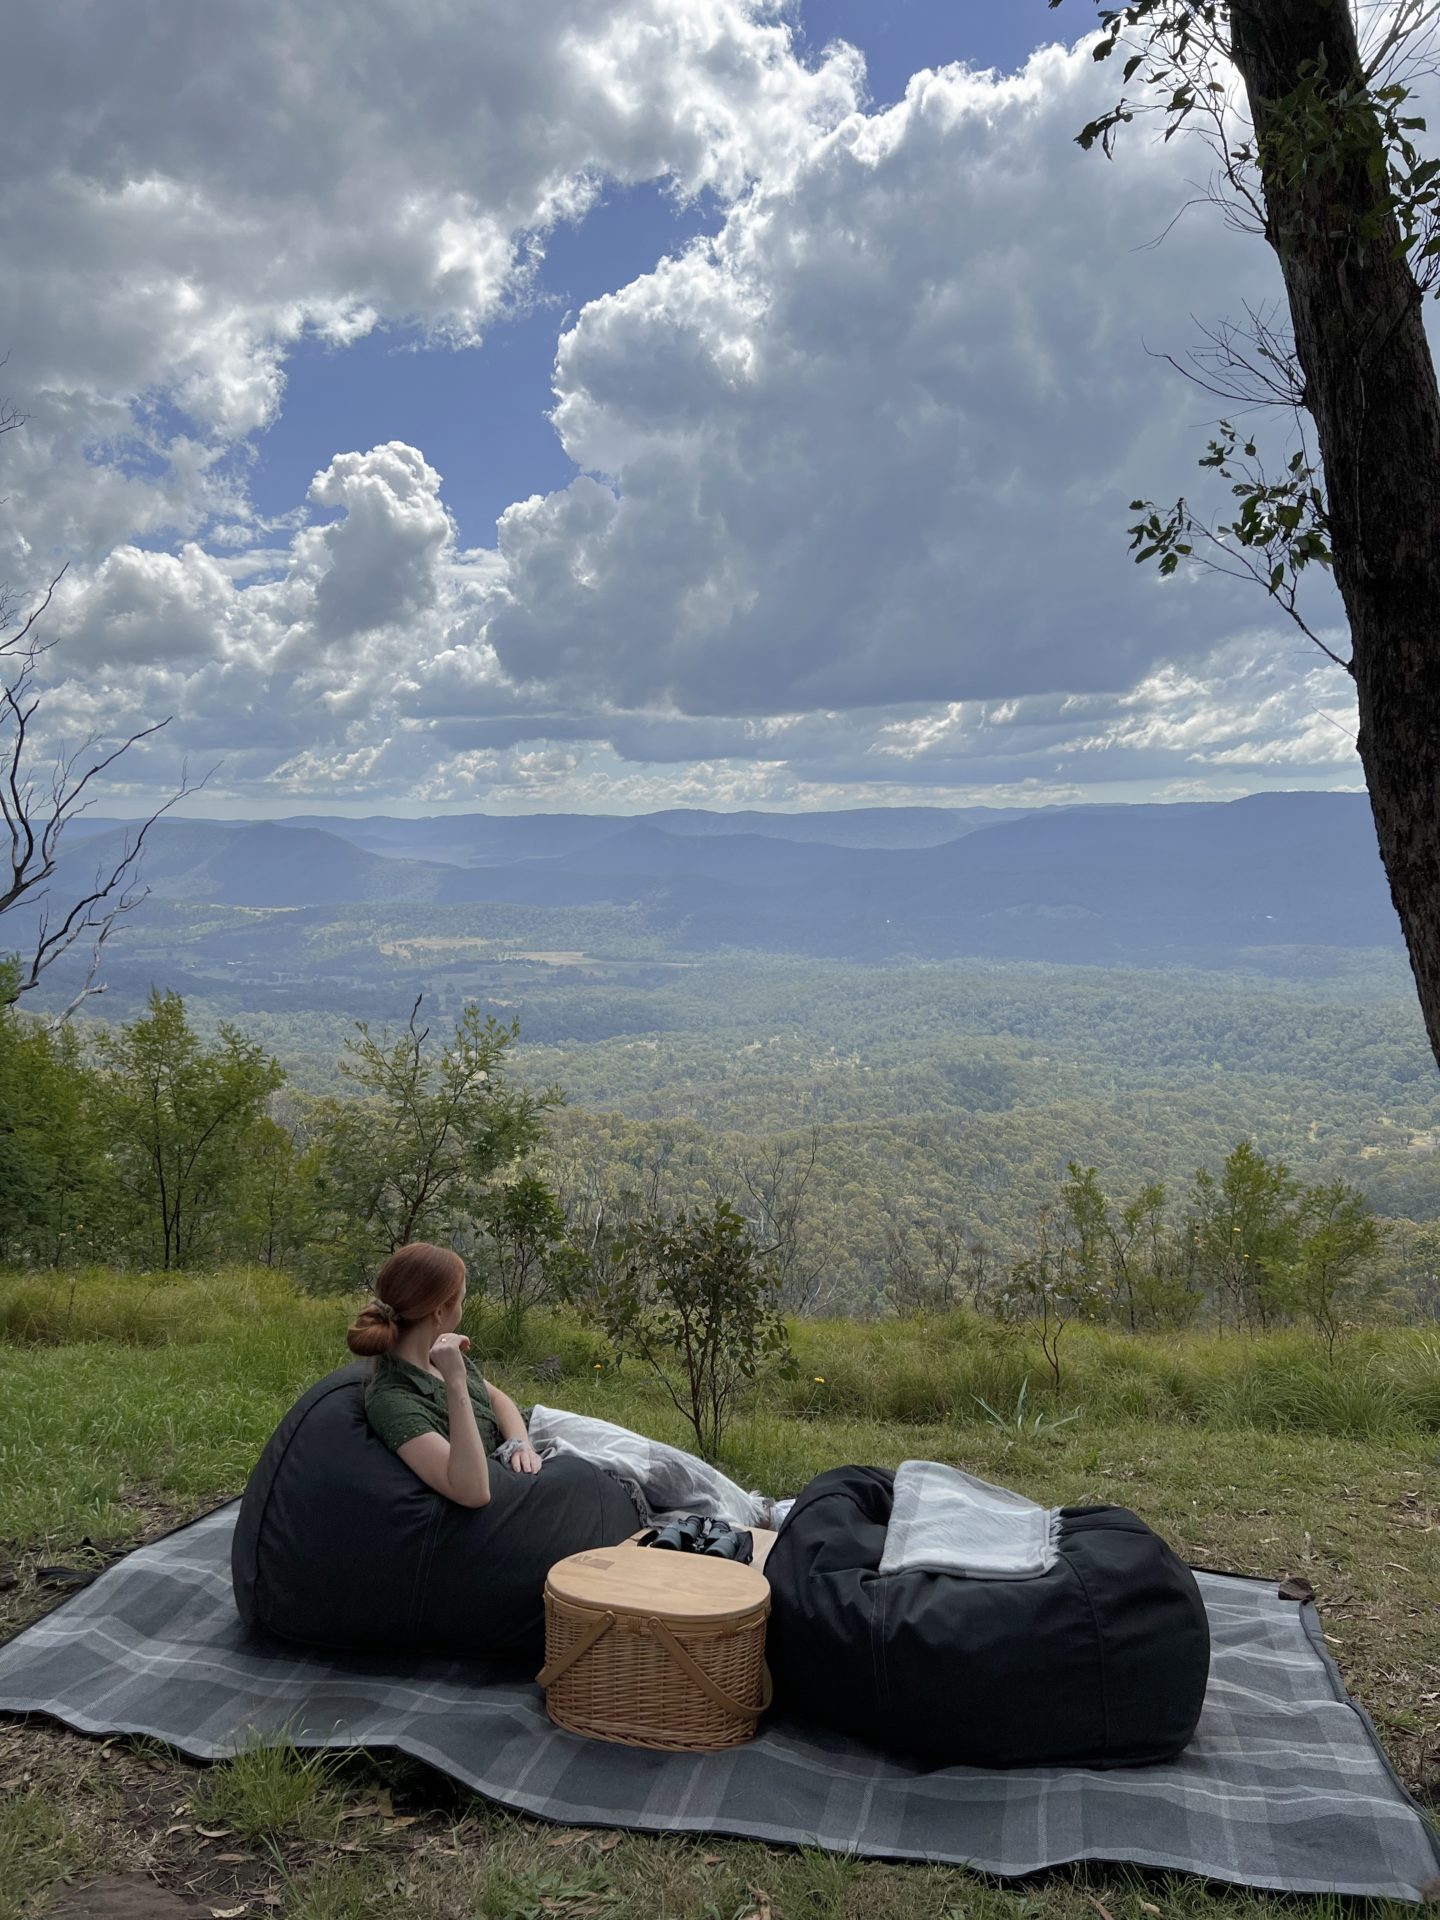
pixel 1203 884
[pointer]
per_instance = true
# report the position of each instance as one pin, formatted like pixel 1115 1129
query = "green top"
pixel 403 1401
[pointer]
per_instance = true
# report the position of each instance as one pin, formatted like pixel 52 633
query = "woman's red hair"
pixel 414 1282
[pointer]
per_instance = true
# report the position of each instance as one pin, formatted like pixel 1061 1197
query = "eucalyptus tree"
pixel 1308 109
pixel 412 1156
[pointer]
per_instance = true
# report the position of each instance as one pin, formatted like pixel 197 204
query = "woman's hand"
pixel 525 1460
pixel 447 1355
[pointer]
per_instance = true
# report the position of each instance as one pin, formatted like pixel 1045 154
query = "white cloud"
pixel 188 190
pixel 848 520
pixel 381 556
pixel 877 442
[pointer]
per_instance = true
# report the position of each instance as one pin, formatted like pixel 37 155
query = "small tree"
pixel 273 1199
pixel 907 1290
pixel 1330 1277
pixel 1242 1227
pixel 777 1177
pixel 699 1305
pixel 522 1250
pixel 413 1156
pixel 179 1117
pixel 1050 1287
pixel 53 1174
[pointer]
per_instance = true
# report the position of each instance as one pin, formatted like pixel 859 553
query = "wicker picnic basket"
pixel 655 1649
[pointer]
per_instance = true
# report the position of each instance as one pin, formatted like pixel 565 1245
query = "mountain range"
pixel 1198 883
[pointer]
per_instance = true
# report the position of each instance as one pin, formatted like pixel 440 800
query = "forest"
pixel 1044 1146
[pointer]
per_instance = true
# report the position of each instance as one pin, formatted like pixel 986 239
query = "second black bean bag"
pixel 1101 1661
pixel 338 1544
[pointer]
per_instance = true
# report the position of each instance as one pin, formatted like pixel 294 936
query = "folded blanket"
pixel 947 1521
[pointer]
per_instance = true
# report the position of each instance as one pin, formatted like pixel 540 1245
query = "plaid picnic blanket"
pixel 1284 1787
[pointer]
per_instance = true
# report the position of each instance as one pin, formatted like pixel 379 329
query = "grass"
pixel 133 1401
pixel 272 1790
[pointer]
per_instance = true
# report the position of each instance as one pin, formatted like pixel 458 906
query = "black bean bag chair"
pixel 338 1544
pixel 1099 1662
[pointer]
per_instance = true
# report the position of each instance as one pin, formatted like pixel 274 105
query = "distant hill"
pixel 485 839
pixel 1147 885
pixel 266 865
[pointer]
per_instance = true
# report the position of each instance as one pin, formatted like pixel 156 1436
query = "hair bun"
pixel 417 1280
pixel 374 1330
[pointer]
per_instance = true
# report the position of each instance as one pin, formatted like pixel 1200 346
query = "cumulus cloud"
pixel 877 441
pixel 380 557
pixel 189 190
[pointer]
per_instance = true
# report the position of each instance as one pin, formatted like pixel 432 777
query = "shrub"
pixel 698 1304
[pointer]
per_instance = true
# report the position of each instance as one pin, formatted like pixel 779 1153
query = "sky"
pixel 619 404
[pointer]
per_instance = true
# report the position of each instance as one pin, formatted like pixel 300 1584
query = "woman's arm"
pixel 456 1467
pixel 511 1423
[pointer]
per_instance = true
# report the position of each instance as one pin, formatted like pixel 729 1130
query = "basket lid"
pixel 681 1586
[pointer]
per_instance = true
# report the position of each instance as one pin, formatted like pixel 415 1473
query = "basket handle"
pixel 697 1673
pixel 548 1675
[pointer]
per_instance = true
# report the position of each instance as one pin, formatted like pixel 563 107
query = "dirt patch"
pixel 127 1896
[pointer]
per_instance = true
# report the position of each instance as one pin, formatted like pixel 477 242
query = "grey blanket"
pixel 944 1520
pixel 1284 1787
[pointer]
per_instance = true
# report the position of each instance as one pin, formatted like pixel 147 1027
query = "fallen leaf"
pixel 214 1833
pixel 180 1826
pixel 1103 1911
pixel 1297 1587
pixel 230 1913
pixel 232 1859
pixel 570 1837
pixel 608 1842
pixel 712 1859
pixel 400 1820
pixel 268 1899
pixel 1147 1906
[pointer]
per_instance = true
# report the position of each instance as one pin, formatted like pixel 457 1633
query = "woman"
pixel 426 1398
pixel 430 1404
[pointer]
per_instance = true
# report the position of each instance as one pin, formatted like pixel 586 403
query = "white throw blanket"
pixel 947 1521
pixel 664 1481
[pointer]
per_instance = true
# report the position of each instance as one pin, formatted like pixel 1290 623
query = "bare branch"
pixel 34 826
pixel 90 988
pixel 113 894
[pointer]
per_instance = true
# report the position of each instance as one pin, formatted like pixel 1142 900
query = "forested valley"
pixel 1153 1147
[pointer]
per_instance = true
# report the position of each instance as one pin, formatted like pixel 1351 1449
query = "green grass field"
pixel 131 1402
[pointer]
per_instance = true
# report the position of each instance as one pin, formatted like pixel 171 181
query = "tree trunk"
pixel 1370 385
